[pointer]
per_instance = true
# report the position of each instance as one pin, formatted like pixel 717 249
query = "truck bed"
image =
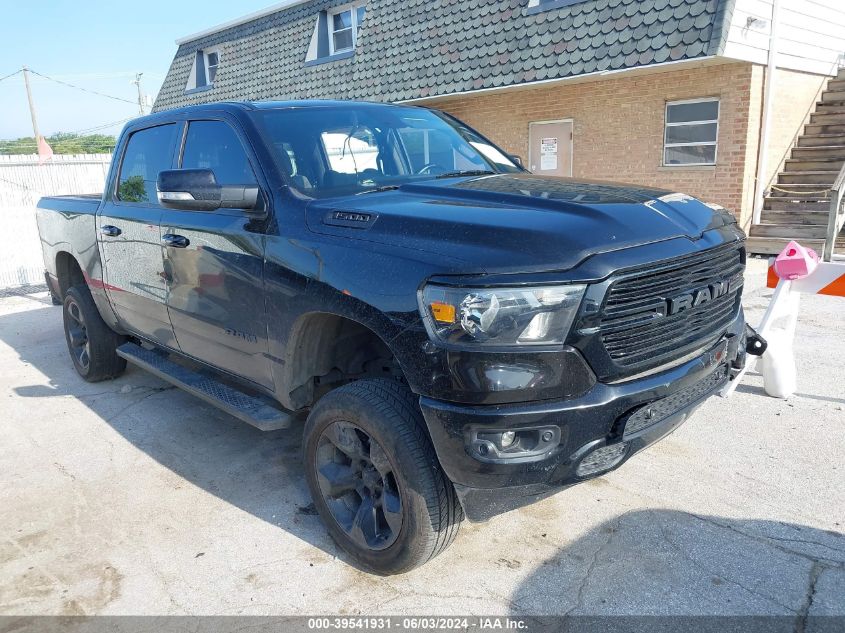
pixel 84 203
pixel 67 224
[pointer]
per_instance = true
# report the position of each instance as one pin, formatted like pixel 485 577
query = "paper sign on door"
pixel 548 154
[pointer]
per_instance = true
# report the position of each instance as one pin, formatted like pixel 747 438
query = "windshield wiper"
pixel 469 172
pixel 379 189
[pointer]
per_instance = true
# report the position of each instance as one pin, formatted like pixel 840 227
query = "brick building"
pixel 681 94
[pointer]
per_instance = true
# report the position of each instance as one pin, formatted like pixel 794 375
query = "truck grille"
pixel 653 315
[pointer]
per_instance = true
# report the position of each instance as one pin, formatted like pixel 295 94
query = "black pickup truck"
pixel 457 336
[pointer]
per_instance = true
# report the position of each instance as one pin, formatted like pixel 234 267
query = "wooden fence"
pixel 22 182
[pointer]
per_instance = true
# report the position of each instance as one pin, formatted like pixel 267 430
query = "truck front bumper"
pixel 574 440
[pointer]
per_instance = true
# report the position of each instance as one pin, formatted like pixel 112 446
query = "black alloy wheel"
pixel 79 344
pixel 375 478
pixel 358 485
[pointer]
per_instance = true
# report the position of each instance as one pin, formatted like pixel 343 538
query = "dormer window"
pixel 538 6
pixel 343 29
pixel 204 70
pixel 211 60
pixel 335 34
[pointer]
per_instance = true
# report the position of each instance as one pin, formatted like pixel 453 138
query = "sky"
pixel 95 45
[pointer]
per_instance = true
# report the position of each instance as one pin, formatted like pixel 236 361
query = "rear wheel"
pixel 92 344
pixel 375 478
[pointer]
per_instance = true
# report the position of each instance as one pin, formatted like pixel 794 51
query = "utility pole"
pixel 31 105
pixel 137 82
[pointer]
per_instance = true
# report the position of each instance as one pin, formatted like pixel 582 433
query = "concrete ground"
pixel 130 497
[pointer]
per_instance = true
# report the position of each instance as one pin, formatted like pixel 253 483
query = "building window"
pixel 538 6
pixel 691 133
pixel 343 29
pixel 204 70
pixel 211 60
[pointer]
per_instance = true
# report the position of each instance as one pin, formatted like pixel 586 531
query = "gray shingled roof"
pixel 422 48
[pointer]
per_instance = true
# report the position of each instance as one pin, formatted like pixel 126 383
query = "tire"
pixel 376 427
pixel 92 344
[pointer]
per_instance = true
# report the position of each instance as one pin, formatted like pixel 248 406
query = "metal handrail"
pixel 836 217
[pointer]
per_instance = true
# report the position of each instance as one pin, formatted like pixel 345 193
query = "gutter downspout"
pixel 768 98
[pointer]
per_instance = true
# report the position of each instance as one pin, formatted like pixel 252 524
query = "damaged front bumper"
pixel 573 440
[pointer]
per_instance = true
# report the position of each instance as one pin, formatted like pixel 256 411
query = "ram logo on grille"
pixel 699 296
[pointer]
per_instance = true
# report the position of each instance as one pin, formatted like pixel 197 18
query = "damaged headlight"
pixel 498 317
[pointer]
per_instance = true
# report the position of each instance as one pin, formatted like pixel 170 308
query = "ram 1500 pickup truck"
pixel 454 336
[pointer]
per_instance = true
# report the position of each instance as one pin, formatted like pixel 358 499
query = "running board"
pixel 251 409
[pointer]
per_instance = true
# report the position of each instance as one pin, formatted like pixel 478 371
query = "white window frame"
pixel 667 125
pixel 206 52
pixel 193 78
pixel 353 8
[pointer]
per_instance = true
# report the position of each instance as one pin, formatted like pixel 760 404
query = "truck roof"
pixel 264 105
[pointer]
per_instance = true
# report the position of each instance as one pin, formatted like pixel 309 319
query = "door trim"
pixel 571 140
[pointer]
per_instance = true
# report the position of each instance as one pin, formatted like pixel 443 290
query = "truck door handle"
pixel 176 241
pixel 110 231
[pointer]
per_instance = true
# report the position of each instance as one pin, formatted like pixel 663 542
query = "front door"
pixel 129 238
pixel 214 264
pixel 550 148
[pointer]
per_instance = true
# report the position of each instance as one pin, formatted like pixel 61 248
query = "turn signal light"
pixel 443 312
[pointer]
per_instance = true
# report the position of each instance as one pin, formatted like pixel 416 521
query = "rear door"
pixel 215 275
pixel 550 148
pixel 129 238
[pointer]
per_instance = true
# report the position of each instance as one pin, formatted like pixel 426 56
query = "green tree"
pixel 62 143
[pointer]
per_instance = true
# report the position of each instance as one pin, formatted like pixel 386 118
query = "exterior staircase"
pixel 798 204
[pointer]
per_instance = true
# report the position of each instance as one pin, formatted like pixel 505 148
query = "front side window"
pixel 214 145
pixel 343 150
pixel 343 29
pixel 691 133
pixel 148 152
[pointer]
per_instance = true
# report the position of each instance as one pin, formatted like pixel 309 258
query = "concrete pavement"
pixel 130 497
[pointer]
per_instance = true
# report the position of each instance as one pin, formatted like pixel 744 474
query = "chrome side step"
pixel 257 411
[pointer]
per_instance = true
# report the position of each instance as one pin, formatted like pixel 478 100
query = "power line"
pixel 11 74
pixel 21 142
pixel 70 85
pixel 99 127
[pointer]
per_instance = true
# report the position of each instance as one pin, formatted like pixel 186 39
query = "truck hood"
pixel 515 222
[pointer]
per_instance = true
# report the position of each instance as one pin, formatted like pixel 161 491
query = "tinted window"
pixel 214 145
pixel 147 153
pixel 696 111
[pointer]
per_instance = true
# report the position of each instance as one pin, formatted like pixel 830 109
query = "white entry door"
pixel 550 148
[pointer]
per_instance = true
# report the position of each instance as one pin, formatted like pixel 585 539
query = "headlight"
pixel 539 315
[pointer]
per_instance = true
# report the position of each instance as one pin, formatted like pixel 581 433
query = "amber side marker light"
pixel 443 312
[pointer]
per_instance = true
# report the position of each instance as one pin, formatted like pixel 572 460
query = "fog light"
pixel 526 444
pixel 602 459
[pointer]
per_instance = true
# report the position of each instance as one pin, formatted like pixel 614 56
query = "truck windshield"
pixel 329 151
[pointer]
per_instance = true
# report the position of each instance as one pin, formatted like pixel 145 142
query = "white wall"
pixel 22 182
pixel 811 33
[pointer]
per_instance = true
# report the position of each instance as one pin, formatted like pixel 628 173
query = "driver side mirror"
pixel 197 190
pixel 517 159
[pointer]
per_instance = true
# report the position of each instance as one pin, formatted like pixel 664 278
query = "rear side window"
pixel 214 145
pixel 147 153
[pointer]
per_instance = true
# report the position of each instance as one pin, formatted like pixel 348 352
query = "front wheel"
pixel 92 344
pixel 375 478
